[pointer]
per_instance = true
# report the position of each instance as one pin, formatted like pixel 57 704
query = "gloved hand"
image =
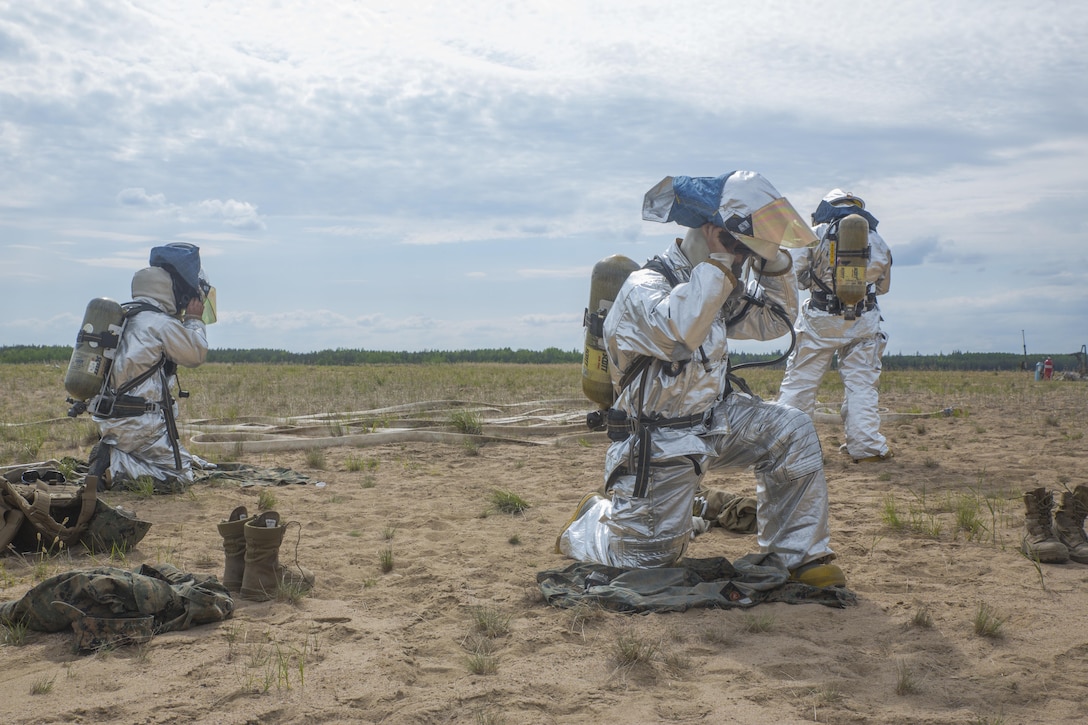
pixel 726 259
pixel 781 264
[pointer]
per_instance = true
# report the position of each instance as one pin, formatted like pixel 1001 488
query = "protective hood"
pixel 182 261
pixel 838 197
pixel 741 202
pixel 826 213
pixel 157 284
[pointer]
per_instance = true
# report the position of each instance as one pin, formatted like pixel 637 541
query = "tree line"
pixel 965 361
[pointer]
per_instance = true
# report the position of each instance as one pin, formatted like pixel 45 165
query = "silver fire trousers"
pixel 780 444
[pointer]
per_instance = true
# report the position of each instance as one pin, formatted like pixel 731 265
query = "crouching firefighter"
pixel 677 414
pixel 163 327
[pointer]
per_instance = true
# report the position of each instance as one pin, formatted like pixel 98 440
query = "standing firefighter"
pixel 164 328
pixel 845 272
pixel 676 414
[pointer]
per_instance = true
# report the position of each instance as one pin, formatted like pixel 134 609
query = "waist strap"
pixel 833 305
pixel 620 426
pixel 123 406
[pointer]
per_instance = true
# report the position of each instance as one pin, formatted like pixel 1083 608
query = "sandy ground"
pixel 402 646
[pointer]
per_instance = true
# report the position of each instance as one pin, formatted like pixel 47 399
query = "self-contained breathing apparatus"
pixel 619 425
pixel 847 237
pixel 608 276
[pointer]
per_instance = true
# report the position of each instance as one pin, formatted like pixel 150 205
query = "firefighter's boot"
pixel 234 548
pixel 1069 525
pixel 264 575
pixel 1039 542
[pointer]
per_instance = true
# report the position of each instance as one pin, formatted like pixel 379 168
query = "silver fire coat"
pixel 687 324
pixel 141 445
pixel 859 344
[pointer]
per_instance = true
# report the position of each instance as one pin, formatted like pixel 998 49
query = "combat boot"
pixel 1039 542
pixel 264 574
pixel 234 548
pixel 1069 526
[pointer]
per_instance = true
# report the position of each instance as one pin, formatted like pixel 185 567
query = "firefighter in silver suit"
pixel 676 414
pixel 139 437
pixel 826 327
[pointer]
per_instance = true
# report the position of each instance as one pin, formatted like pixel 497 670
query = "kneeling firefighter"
pixel 164 327
pixel 676 412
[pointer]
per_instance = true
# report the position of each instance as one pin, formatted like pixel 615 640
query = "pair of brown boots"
pixel 251 546
pixel 1055 536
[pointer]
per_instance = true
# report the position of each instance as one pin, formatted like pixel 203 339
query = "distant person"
pixel 139 435
pixel 1048 369
pixel 677 415
pixel 828 327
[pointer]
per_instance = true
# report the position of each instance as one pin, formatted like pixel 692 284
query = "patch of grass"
pixel 43 687
pixel 508 502
pixel 582 614
pixel 15 633
pixel 889 514
pixel 987 623
pixel 905 681
pixel 490 621
pixel 632 648
pixel 758 623
pixel 315 459
pixel 922 618
pixel 291 591
pixel 143 486
pixel 481 664
pixel 266 500
pixel 385 559
pixel 467 422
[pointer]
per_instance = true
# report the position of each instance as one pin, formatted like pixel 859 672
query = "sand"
pixel 405 646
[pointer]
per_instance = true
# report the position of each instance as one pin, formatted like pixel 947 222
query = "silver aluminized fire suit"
pixel 651 527
pixel 141 444
pixel 860 343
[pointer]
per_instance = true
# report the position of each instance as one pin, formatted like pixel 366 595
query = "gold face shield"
pixel 777 225
pixel 209 307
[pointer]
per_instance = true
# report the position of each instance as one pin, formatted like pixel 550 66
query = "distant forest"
pixel 1074 362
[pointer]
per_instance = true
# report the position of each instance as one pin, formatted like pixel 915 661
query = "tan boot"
pixel 1069 526
pixel 264 574
pixel 234 548
pixel 1039 542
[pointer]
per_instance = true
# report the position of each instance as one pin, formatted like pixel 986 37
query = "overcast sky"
pixel 409 175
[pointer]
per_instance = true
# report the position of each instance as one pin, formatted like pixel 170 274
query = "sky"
pixel 408 175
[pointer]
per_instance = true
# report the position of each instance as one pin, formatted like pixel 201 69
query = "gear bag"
pixel 39 516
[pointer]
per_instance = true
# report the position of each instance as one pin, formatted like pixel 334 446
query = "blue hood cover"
pixel 826 213
pixel 181 260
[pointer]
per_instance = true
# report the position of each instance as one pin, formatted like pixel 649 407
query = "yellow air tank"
pixel 609 275
pixel 851 257
pixel 95 346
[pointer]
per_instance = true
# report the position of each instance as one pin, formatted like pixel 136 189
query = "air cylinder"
pixel 95 347
pixel 608 276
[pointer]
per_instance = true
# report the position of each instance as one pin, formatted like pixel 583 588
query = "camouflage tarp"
pixel 710 583
pixel 111 606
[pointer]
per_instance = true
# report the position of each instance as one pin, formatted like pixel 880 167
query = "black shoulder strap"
pixel 131 309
